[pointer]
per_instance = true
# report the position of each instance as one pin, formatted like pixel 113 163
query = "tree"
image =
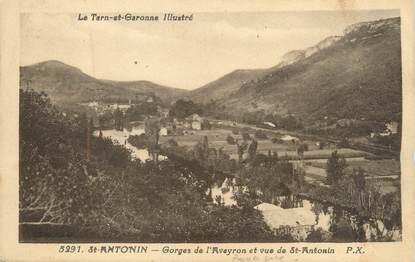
pixel 138 112
pixel 241 148
pixel 206 124
pixel 343 231
pixel 58 177
pixel 184 108
pixel 360 183
pixel 152 131
pixel 105 119
pixel 335 168
pixel 300 151
pixel 252 148
pixel 139 141
pixel 246 136
pixel 230 140
pixel 119 119
pixel 201 149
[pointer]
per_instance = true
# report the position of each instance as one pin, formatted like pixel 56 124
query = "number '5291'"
pixel 69 249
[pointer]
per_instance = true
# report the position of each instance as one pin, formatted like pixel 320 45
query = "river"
pixel 121 138
pixel 303 214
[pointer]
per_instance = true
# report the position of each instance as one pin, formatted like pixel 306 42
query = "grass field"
pixel 217 139
pixel 386 167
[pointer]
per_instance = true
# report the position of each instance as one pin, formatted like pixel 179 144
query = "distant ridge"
pixel 66 83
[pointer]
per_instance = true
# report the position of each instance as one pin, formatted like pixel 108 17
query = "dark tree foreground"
pixel 110 197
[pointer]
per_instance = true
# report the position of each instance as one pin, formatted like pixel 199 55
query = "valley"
pixel 305 150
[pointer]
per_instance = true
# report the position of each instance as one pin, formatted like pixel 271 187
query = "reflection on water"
pixel 122 136
pixel 304 213
pixel 286 210
pixel 303 216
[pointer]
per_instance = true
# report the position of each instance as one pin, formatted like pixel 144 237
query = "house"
pixel 163 131
pixel 193 121
pixel 288 138
pixel 392 127
pixel 187 125
pixel 197 125
pixel 163 112
pixel 195 117
pixel 150 99
pixel 93 104
pixel 124 107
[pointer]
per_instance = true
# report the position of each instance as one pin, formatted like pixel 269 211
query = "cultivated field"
pixel 217 139
pixel 388 170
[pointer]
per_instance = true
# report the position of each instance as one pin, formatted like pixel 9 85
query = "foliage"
pixel 106 119
pixel 260 134
pixel 205 125
pixel 252 148
pixel 391 141
pixel 59 178
pixel 363 198
pixel 152 132
pixel 139 141
pixel 335 168
pixel 138 112
pixel 245 136
pixel 266 181
pixel 109 197
pixel 319 235
pixel 171 142
pixel 119 119
pixel 183 108
pixel 343 232
pixel 230 140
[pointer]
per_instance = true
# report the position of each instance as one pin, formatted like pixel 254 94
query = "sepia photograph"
pixel 210 127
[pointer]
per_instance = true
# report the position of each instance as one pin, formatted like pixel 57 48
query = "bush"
pixel 276 140
pixel 260 134
pixel 235 131
pixel 140 142
pixel 206 124
pixel 344 142
pixel 319 235
pixel 171 142
pixel 246 136
pixel 230 140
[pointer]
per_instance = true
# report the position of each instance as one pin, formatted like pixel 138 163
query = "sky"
pixel 179 54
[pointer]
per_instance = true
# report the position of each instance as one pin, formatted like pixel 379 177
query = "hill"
pixel 68 84
pixel 225 85
pixel 357 76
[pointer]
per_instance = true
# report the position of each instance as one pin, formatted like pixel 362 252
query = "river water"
pixel 121 138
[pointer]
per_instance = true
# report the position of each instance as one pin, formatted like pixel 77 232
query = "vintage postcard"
pixel 179 131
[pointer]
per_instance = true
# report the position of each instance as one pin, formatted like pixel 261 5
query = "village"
pixel 309 153
pixel 223 134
